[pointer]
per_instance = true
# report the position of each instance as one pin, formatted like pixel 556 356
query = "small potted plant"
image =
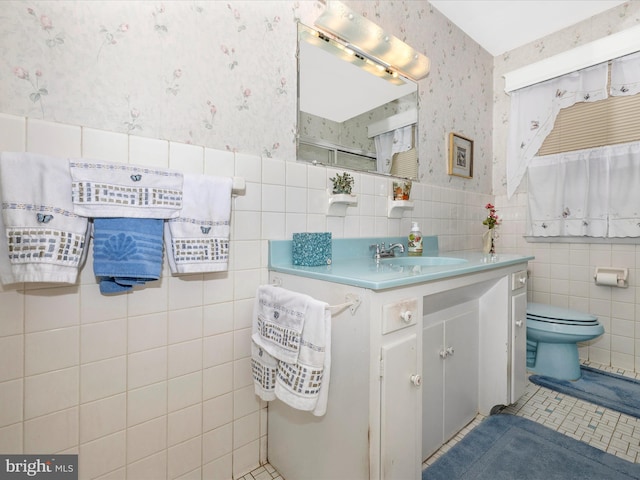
pixel 342 184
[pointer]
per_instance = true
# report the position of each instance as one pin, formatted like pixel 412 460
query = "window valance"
pixel 535 108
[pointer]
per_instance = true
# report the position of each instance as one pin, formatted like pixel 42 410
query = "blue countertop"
pixel 353 263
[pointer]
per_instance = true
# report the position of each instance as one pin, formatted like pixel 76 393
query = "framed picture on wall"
pixel 460 156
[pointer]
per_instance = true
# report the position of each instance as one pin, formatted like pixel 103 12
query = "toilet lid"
pixel 549 313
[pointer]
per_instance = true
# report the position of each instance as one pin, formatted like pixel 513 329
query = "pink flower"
pixel 236 14
pixel 124 27
pixel 492 219
pixel 21 73
pixel 224 49
pixel 276 19
pixel 177 73
pixel 276 146
pixel 38 73
pixel 135 113
pixel 30 11
pixel 213 109
pixel 246 92
pixel 283 81
pixel 45 22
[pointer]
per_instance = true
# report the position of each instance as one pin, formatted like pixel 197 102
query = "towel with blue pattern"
pixel 107 189
pixel 126 252
pixel 42 239
pixel 291 348
pixel 197 241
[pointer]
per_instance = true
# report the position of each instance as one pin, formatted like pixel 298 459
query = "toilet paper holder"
pixel 612 276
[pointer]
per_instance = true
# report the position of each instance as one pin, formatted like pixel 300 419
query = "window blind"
pixel 610 121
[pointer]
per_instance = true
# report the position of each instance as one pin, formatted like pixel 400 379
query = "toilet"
pixel 552 337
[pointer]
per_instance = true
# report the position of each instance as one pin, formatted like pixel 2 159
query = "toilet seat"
pixel 558 315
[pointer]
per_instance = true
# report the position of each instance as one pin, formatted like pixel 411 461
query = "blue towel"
pixel 126 252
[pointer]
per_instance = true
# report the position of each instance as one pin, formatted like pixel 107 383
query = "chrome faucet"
pixel 383 252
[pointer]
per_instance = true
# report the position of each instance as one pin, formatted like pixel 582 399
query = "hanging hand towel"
pixel 102 189
pixel 264 369
pixel 44 240
pixel 6 272
pixel 126 252
pixel 279 316
pixel 198 240
pixel 302 383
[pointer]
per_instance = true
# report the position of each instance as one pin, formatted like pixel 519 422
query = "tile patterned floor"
pixel 608 430
pixel 265 472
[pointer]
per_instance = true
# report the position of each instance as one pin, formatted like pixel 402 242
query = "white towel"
pixel 264 369
pixel 279 317
pixel 295 329
pixel 6 272
pixel 103 189
pixel 45 239
pixel 198 240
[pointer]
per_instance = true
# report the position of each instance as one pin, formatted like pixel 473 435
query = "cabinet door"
pixel 432 390
pixel 518 345
pixel 399 404
pixel 460 371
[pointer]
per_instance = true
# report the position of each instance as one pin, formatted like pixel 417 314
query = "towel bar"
pixel 352 302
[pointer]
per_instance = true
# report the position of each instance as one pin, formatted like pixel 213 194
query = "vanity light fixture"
pixel 348 54
pixel 365 36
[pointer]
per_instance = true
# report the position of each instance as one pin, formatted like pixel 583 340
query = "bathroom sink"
pixel 422 261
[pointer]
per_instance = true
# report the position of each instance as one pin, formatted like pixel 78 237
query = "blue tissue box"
pixel 311 249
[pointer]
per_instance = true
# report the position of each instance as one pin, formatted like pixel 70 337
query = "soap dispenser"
pixel 415 241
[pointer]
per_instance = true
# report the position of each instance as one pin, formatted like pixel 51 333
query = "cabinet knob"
pixel 523 280
pixel 450 350
pixel 519 323
pixel 416 380
pixel 443 354
pixel 406 316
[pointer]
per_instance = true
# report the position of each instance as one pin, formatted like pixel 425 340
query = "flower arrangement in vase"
pixel 488 237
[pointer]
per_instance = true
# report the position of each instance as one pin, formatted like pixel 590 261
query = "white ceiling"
pixel 502 25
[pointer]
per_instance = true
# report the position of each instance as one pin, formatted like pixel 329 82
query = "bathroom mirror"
pixel 345 100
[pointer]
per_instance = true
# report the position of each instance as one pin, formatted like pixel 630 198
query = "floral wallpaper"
pixel 208 72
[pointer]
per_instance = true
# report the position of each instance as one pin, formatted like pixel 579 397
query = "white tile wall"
pixel 157 383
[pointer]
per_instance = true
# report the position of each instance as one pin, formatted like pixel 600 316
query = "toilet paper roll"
pixel 610 279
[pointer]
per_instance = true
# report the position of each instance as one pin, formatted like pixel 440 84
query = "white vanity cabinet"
pixel 450 352
pixel 440 349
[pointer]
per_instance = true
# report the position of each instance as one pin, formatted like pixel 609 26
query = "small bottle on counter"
pixel 415 241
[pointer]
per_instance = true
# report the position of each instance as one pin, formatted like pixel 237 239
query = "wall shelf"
pixel 338 203
pixel 396 207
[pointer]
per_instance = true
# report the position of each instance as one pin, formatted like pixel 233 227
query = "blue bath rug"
pixel 606 389
pixel 506 447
